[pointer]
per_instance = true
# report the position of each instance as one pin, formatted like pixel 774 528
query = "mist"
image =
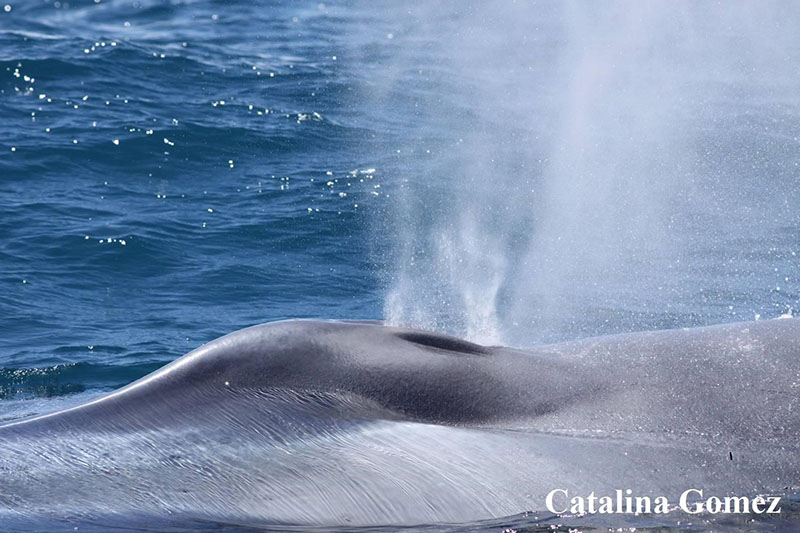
pixel 571 159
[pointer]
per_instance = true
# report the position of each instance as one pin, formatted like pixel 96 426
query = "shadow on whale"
pixel 323 423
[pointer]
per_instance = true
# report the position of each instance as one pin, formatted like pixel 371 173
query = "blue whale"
pixel 326 423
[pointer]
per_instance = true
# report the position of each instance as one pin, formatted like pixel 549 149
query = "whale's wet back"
pixel 374 425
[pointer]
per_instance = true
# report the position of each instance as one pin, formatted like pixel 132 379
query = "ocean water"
pixel 159 162
pixel 171 171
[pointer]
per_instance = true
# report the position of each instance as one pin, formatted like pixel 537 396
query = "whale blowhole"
pixel 443 342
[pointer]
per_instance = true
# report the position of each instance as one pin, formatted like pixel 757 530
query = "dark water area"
pixel 173 171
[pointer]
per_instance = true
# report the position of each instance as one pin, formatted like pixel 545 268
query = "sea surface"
pixel 171 171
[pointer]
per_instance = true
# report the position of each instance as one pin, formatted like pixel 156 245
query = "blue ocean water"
pixel 164 180
pixel 171 171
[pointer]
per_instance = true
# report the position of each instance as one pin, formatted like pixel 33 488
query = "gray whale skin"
pixel 358 423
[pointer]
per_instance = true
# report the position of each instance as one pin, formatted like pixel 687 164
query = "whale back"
pixel 320 423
